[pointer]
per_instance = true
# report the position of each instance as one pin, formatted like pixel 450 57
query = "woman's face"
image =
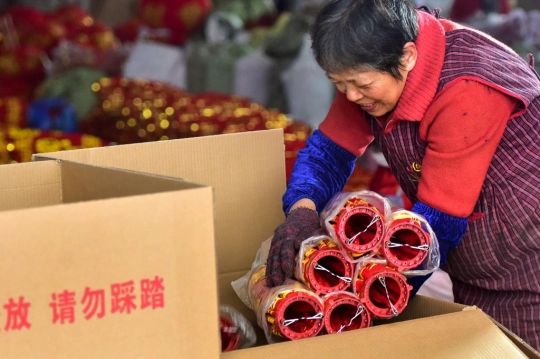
pixel 376 92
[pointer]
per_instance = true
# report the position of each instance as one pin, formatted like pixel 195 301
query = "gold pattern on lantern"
pixel 82 38
pixel 151 127
pixel 169 111
pixel 105 81
pixel 164 124
pixel 105 40
pixel 10 147
pixel 141 133
pixel 164 138
pixel 241 111
pixel 95 87
pixel 132 122
pixel 120 125
pixel 106 104
pixel 153 15
pixel 147 113
pixel 137 101
pixel 208 112
pixel 126 111
pixel 88 21
pixel 194 127
pixel 190 15
pixel 289 137
pixel 9 65
pixel 162 116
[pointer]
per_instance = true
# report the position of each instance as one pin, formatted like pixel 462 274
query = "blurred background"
pixel 89 73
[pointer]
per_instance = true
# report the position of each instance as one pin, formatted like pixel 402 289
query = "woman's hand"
pixel 301 223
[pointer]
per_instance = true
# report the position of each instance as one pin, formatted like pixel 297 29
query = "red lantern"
pixel 23 63
pixel 177 19
pixel 290 310
pixel 344 312
pixel 325 268
pixel 229 334
pixel 359 226
pixel 406 243
pixel 384 290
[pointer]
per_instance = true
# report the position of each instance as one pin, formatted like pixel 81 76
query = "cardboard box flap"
pixel 246 170
pixel 466 334
pixel 84 182
pixel 129 277
pixel 26 185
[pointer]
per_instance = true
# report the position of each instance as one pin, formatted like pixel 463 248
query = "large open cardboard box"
pixel 100 263
pixel 247 174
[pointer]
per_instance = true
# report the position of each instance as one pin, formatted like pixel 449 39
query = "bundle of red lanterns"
pixel 353 271
pixel 18 143
pixel 134 110
pixel 168 21
pixel 29 37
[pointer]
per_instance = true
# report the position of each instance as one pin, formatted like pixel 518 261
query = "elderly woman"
pixel 457 116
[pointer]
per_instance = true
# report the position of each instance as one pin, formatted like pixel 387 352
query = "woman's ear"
pixel 410 54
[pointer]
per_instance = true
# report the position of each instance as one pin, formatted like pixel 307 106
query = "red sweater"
pixel 459 151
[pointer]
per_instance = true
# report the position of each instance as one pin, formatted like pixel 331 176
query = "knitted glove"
pixel 449 231
pixel 299 225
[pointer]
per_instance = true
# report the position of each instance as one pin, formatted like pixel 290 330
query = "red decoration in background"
pixel 178 18
pixel 462 10
pixel 132 111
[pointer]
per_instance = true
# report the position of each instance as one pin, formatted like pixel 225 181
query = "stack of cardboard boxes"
pixel 127 251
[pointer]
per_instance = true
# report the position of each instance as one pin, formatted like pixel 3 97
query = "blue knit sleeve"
pixel 449 231
pixel 320 171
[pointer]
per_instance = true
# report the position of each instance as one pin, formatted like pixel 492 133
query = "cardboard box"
pixel 247 174
pixel 99 263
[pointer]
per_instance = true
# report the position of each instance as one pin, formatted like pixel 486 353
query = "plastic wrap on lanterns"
pixel 357 220
pixel 406 244
pixel 322 266
pixel 236 331
pixel 290 311
pixel 384 290
pixel 343 311
pixel 229 334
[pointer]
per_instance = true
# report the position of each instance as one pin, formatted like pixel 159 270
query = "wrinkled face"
pixel 376 92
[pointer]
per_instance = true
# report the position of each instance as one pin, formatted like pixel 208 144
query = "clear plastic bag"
pixel 289 311
pixel 344 311
pixel 410 245
pixel 240 285
pixel 357 221
pixel 322 266
pixel 236 331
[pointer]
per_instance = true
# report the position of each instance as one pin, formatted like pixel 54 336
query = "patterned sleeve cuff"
pixel 320 171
